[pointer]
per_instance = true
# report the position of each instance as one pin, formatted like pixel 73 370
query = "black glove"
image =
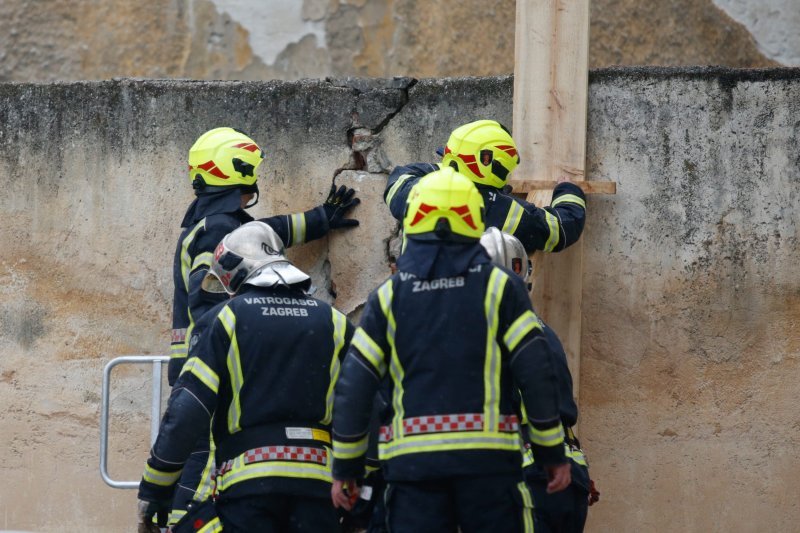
pixel 338 203
pixel 145 511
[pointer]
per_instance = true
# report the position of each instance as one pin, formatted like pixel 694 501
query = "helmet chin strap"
pixel 252 202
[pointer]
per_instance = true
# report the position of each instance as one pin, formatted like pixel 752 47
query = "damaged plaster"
pixel 773 23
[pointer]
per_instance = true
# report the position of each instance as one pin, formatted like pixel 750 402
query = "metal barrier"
pixel 155 410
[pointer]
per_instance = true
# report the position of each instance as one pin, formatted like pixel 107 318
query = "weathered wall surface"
pixel 292 39
pixel 691 292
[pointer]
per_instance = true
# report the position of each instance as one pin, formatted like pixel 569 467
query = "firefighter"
pixel 485 152
pixel 455 337
pixel 564 511
pixel 223 166
pixel 262 375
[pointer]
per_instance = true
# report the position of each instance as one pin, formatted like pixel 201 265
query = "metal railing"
pixel 155 410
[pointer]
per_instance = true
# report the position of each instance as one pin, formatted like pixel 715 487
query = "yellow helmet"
pixel 483 151
pixel 224 157
pixel 444 205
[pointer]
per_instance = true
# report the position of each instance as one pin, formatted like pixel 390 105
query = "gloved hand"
pixel 338 203
pixel 145 512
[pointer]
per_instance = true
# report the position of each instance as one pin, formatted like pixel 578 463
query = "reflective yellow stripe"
pixel 178 351
pixel 385 296
pixel 575 455
pixel 438 442
pixel 339 331
pixel 350 450
pixel 527 507
pixel 552 223
pixel 186 259
pixel 547 437
pixel 569 198
pixel 527 458
pixel 159 477
pixel 212 526
pixel 370 350
pixel 228 321
pixel 396 187
pixel 491 368
pixel 513 218
pixel 298 228
pixel 206 486
pixel 521 327
pixel 203 259
pixel 203 372
pixel 242 472
pixel 175 515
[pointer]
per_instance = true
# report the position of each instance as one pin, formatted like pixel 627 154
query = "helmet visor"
pixel 212 284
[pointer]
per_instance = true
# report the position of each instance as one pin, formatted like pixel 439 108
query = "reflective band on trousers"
pixel 304 454
pixel 420 425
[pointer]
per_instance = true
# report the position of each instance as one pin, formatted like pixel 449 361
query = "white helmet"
pixel 252 254
pixel 506 250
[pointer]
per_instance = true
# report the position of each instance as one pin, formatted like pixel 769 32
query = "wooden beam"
pixel 551 79
pixel 523 186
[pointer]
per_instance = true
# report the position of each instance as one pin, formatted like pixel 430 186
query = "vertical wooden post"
pixel 551 77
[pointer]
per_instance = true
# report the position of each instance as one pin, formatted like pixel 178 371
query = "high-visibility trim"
pixel 206 486
pixel 350 450
pixel 467 440
pixel 204 259
pixel 228 320
pixel 234 364
pixel 298 228
pixel 396 187
pixel 527 458
pixel 491 367
pixel 552 223
pixel 569 198
pixel 523 325
pixel 513 218
pixel 178 335
pixel 186 258
pixel 212 526
pixel 385 297
pixel 370 350
pixel 243 472
pixel 339 332
pixel 527 507
pixel 547 437
pixel 159 477
pixel 573 454
pixel 448 424
pixel 203 372
pixel 175 515
pixel 303 454
pixel 178 351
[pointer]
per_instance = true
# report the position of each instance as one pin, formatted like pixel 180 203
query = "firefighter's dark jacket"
pixel 569 417
pixel 550 228
pixel 264 371
pixel 209 218
pixel 452 335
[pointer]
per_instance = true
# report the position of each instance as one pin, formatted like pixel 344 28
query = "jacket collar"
pixel 215 203
pixel 439 259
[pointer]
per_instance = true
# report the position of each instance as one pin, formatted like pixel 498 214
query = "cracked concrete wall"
pixel 690 295
pixel 290 39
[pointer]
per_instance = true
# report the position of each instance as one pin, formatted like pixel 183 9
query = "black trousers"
pixel 479 504
pixel 277 513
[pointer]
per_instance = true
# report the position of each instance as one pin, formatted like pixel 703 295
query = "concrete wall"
pixel 291 39
pixel 691 292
